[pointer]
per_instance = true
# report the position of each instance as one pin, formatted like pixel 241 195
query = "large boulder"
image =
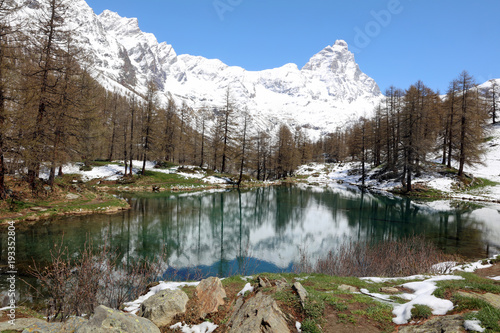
pixel 70 326
pixel 162 307
pixel 19 324
pixel 256 315
pixel 106 320
pixel 210 295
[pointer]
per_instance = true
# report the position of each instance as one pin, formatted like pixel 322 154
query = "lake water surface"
pixel 263 229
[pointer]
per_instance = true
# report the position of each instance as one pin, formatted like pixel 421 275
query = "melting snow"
pixel 134 306
pixel 473 325
pixel 248 287
pixel 423 295
pixel 205 327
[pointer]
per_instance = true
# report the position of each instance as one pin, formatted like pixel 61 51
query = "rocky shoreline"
pixel 281 303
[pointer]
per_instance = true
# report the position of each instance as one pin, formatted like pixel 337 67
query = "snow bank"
pixel 471 267
pixel 423 295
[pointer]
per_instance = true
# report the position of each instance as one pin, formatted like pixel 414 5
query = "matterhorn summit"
pixel 324 94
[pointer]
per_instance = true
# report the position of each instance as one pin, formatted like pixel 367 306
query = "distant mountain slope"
pixel 324 94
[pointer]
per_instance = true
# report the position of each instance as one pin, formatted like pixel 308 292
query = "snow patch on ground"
pixel 115 171
pixel 134 306
pixel 248 287
pixel 350 173
pixel 471 267
pixel 205 327
pixel 473 325
pixel 423 295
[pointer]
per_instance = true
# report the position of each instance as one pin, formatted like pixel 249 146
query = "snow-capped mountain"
pixel 328 91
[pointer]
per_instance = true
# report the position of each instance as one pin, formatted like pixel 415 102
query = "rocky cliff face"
pixel 328 91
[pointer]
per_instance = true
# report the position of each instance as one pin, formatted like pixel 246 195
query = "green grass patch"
pixel 166 179
pixel 489 317
pixel 420 311
pixel 479 183
pixel 314 306
pixel 381 313
pixel 470 282
pixel 345 318
pixel 288 297
pixel 310 326
pixel 468 303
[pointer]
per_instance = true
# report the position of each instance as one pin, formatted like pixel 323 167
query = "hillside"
pixel 325 93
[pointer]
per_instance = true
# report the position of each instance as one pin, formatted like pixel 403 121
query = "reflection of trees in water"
pixel 382 217
pixel 216 227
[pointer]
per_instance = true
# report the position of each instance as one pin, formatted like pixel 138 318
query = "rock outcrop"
pixel 106 320
pixel 443 324
pixel 162 307
pixel 258 314
pixel 302 292
pixel 210 295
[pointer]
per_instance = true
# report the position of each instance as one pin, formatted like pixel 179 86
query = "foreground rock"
pixel 106 320
pixel 258 314
pixel 211 295
pixel 444 324
pixel 70 326
pixel 20 324
pixel 162 307
pixel 493 299
pixel 301 291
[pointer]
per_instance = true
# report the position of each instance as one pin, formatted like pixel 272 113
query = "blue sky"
pixel 396 42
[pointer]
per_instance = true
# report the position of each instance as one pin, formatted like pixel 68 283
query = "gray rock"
pixel 302 293
pixel 73 324
pixel 19 324
pixel 38 209
pixel 71 196
pixel 441 324
pixel 106 320
pixel 162 307
pixel 389 290
pixel 44 327
pixel 493 299
pixel 345 287
pixel 210 295
pixel 281 284
pixel 264 282
pixel 258 314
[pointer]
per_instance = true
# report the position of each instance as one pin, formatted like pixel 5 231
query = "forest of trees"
pixel 416 125
pixel 52 112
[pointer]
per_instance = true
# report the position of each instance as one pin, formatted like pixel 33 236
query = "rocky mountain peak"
pixel 328 91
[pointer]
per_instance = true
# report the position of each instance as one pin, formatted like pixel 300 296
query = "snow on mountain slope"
pixel 327 92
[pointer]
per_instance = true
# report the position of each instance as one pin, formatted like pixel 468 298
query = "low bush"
pixel 74 287
pixel 392 258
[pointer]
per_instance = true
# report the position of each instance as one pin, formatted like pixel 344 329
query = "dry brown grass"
pixel 389 258
pixel 74 287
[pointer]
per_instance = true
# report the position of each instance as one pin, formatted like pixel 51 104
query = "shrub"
pixel 74 287
pixel 404 257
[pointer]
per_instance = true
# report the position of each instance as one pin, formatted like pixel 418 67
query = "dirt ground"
pixel 489 272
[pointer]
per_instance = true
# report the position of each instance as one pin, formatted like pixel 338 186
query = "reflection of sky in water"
pixel 218 230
